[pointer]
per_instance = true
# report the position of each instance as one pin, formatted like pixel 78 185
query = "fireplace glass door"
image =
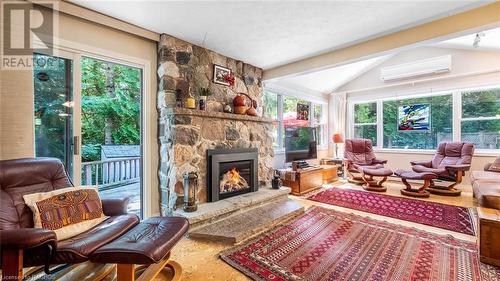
pixel 234 178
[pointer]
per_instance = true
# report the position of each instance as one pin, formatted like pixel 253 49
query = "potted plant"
pixel 204 93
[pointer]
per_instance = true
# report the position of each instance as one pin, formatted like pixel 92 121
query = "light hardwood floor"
pixel 200 260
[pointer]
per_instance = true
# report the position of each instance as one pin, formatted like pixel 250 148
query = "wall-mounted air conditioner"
pixel 416 68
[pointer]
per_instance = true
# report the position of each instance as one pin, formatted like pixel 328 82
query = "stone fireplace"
pixel 231 172
pixel 185 135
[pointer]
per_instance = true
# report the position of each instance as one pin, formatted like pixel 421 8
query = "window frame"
pixel 457 119
pixel 323 142
pixel 377 121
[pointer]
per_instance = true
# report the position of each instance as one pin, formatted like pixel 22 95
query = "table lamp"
pixel 337 138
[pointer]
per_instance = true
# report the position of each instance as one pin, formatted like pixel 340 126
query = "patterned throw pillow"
pixel 67 211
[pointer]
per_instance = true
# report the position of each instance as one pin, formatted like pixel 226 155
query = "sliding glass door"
pixel 111 129
pixel 53 106
pixel 88 114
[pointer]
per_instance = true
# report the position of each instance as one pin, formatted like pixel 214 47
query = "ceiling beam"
pixel 482 17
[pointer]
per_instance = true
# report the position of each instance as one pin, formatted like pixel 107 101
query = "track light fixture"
pixel 477 39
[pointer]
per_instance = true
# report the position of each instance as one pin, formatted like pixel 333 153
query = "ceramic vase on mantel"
pixel 191 103
pixel 202 103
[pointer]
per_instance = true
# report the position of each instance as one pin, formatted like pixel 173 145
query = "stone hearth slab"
pixel 240 227
pixel 213 211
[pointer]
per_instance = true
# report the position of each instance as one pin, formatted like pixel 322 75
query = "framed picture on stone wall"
pixel 219 73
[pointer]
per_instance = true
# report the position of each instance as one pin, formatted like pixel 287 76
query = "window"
pixel 480 122
pixel 319 121
pixel 365 121
pixel 476 119
pixel 270 110
pixel 290 112
pixel 440 119
pixel 283 110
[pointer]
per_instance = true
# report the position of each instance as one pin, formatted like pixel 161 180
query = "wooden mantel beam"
pixel 480 18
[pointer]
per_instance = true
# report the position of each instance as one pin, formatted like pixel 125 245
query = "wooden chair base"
pixel 375 188
pixel 415 193
pixel 444 190
pixel 129 272
pixel 372 184
pixel 356 180
pixel 87 271
pixel 412 192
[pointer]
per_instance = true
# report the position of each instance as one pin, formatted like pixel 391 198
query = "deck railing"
pixel 107 173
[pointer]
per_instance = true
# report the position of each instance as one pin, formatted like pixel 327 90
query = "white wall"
pixel 466 68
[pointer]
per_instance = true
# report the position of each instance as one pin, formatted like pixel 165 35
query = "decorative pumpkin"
pixel 242 110
pixel 239 100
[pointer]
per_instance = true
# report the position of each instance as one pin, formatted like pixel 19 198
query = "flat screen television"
pixel 300 143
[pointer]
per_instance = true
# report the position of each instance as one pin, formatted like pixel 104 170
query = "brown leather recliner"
pixel 451 161
pixel 39 246
pixel 358 154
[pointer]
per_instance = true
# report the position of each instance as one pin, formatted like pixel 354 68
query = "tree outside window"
pixel 365 121
pixel 270 110
pixel 441 123
pixel 480 122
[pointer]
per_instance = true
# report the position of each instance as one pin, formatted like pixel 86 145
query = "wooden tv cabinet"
pixel 309 179
pixel 489 231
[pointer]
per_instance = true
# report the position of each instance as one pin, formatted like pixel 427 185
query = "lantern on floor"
pixel 190 191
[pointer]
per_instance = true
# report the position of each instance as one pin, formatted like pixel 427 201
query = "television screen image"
pixel 415 117
pixel 300 143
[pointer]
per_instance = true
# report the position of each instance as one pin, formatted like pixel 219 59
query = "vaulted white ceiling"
pixel 273 33
pixel 490 41
pixel 325 81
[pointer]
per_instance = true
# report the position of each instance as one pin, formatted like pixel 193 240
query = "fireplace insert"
pixel 231 172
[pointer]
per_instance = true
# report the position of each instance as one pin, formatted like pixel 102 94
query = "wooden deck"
pixel 133 191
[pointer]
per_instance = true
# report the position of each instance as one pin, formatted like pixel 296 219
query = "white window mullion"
pixel 350 121
pixel 281 126
pixel 380 126
pixel 457 115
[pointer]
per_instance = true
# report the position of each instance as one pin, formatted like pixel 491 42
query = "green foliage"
pixel 481 104
pixel 441 123
pixel 205 92
pixel 122 108
pixel 485 133
pixel 270 105
pixel 290 103
pixel 52 92
pixel 365 113
pixel 91 152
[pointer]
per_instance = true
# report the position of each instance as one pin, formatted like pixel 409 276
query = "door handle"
pixel 76 145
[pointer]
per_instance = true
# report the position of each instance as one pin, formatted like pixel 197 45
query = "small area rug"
pixel 325 244
pixel 458 219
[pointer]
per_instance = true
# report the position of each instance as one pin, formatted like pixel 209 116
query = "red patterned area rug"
pixel 325 244
pixel 458 219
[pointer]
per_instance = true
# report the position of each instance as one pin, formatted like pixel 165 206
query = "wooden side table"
pixel 489 233
pixel 330 173
pixel 334 161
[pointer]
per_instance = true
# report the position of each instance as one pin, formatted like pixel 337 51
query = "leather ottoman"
pixel 148 243
pixel 369 177
pixel 421 192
